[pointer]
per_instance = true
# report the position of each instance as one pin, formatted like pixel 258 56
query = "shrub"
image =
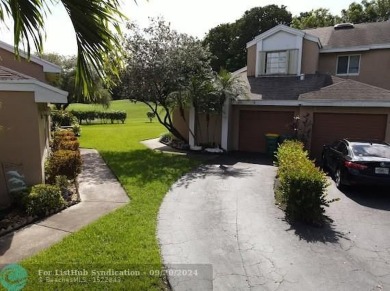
pixel 42 199
pixel 63 183
pixel 63 162
pixel 302 186
pixel 64 139
pixel 104 116
pixel 62 118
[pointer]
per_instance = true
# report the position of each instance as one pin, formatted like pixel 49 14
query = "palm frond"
pixel 99 47
pixel 28 16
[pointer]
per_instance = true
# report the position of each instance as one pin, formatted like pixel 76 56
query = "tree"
pixel 218 41
pixel 159 62
pixel 315 18
pixel 66 81
pixel 96 25
pixel 367 11
pixel 254 22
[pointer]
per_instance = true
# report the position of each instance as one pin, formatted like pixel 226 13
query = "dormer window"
pixel 348 65
pixel 276 63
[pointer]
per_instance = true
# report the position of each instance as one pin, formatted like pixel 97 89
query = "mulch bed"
pixel 14 218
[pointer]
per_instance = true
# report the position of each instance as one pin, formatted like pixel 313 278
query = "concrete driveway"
pixel 219 229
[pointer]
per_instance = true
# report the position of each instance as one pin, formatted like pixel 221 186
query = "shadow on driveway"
pixel 373 197
pixel 311 234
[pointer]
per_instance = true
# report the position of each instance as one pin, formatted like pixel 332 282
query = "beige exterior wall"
pixel 20 145
pixel 8 59
pixel 236 119
pixel 310 54
pixel 180 124
pixel 251 60
pixel 374 66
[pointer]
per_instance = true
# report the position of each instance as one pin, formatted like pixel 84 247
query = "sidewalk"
pixel 156 145
pixel 100 193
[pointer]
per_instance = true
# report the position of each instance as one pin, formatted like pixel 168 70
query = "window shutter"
pixel 261 70
pixel 293 62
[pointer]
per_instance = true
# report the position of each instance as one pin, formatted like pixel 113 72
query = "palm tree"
pixel 96 25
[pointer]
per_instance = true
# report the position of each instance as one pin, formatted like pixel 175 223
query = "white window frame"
pixel 349 58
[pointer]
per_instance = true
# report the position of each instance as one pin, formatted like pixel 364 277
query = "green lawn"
pixel 126 238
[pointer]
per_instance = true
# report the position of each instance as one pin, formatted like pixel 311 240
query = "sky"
pixel 194 17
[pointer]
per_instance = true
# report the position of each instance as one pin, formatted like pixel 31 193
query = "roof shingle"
pixel 362 34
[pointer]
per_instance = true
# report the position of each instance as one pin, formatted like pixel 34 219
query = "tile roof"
pixel 282 88
pixel 313 87
pixel 362 34
pixel 348 90
pixel 8 74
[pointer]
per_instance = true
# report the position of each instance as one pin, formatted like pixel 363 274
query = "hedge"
pixel 302 186
pixel 103 116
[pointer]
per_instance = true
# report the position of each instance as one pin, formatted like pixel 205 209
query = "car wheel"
pixel 338 179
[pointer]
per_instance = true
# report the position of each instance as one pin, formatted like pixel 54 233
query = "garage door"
pixel 255 124
pixel 328 127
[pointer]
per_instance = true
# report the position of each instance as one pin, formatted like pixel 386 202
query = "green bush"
pixel 42 199
pixel 62 118
pixel 63 183
pixel 103 116
pixel 63 163
pixel 302 186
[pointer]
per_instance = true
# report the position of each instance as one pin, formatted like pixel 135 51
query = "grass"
pixel 126 238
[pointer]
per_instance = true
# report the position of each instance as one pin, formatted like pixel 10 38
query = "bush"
pixel 42 199
pixel 63 183
pixel 104 116
pixel 62 118
pixel 302 186
pixel 63 163
pixel 65 140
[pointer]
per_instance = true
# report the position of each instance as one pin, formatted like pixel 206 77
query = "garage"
pixel 328 127
pixel 253 125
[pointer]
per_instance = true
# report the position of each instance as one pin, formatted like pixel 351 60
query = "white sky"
pixel 194 17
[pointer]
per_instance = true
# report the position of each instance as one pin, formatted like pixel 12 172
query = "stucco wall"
pixel 251 60
pixel 8 59
pixel 374 66
pixel 22 140
pixel 310 54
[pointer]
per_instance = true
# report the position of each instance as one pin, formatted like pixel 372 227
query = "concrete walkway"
pixel 100 193
pixel 221 222
pixel 156 145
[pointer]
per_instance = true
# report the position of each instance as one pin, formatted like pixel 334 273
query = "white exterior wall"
pixel 280 41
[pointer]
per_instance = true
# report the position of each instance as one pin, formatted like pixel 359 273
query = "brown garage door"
pixel 255 124
pixel 328 127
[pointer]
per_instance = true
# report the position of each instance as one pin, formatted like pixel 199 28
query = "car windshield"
pixel 371 150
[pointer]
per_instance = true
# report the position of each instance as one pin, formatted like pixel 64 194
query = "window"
pixel 348 65
pixel 276 63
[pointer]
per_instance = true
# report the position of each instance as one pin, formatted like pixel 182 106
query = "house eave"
pixel 284 28
pixel 48 67
pixel 43 93
pixel 356 48
pixel 311 103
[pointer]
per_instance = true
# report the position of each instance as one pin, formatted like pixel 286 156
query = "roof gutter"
pixel 311 103
pixel 43 93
